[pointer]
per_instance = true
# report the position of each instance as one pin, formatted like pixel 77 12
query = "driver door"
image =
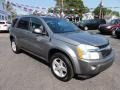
pixel 39 42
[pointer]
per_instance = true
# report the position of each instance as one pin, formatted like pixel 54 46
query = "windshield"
pixel 60 25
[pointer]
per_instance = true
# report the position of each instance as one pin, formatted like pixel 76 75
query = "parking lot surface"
pixel 23 72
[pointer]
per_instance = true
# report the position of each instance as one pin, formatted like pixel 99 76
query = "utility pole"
pixel 61 7
pixel 101 5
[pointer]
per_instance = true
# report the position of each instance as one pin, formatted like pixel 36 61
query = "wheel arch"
pixel 11 37
pixel 54 50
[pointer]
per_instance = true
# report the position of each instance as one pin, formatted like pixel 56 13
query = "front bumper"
pixel 88 68
pixel 105 30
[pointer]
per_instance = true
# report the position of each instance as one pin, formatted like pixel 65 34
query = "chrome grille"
pixel 106 51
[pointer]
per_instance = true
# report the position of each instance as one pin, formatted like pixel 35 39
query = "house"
pixel 88 16
pixel 4 15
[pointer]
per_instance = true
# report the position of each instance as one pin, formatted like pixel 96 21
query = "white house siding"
pixel 4 15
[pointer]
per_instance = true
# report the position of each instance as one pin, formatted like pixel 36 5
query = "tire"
pixel 61 67
pixel 113 33
pixel 14 47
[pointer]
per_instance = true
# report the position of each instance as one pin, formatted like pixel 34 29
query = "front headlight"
pixel 108 27
pixel 87 52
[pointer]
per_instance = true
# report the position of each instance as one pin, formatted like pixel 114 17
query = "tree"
pixel 72 6
pixel 104 11
pixel 116 13
pixel 10 9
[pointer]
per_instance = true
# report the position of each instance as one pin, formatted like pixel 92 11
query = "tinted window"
pixel 112 22
pixel 24 23
pixel 14 22
pixel 35 23
pixel 2 22
pixel 60 25
pixel 102 21
pixel 118 21
pixel 115 21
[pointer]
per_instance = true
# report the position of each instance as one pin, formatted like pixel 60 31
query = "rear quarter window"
pixel 14 22
pixel 23 23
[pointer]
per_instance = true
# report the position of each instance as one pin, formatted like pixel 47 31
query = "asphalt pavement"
pixel 24 72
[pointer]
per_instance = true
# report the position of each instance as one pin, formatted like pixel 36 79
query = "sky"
pixel 106 3
pixel 51 3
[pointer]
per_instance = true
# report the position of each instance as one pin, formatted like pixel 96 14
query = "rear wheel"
pixel 85 28
pixel 61 67
pixel 14 47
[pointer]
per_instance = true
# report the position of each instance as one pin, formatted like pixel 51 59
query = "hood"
pixel 77 38
pixel 104 25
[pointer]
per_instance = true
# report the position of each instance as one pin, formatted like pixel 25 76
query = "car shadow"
pixel 37 58
pixel 115 37
pixel 4 32
pixel 83 78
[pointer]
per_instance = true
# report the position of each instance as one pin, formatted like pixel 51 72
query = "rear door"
pixel 22 32
pixel 90 24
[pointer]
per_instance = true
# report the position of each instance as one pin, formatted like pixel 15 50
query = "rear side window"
pixel 14 22
pixel 2 22
pixel 23 23
pixel 103 21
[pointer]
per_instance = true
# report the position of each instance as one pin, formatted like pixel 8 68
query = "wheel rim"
pixel 86 28
pixel 113 32
pixel 13 46
pixel 59 67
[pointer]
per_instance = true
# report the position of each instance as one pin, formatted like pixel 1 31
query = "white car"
pixel 4 25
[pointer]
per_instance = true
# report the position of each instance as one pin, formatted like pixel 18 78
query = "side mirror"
pixel 37 31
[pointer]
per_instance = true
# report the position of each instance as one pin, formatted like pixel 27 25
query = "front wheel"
pixel 113 33
pixel 61 67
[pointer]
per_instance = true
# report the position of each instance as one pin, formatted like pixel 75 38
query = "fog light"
pixel 93 67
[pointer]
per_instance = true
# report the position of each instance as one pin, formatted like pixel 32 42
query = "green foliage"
pixel 10 9
pixel 77 5
pixel 116 13
pixel 105 11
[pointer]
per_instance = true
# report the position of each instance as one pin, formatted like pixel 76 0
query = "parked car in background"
pixel 91 24
pixel 69 50
pixel 116 33
pixel 4 26
pixel 108 28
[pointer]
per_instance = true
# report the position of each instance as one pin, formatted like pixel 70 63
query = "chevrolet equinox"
pixel 69 50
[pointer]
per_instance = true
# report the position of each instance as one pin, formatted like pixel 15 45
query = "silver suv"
pixel 69 50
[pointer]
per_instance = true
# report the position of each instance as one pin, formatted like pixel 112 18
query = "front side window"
pixel 37 24
pixel 24 23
